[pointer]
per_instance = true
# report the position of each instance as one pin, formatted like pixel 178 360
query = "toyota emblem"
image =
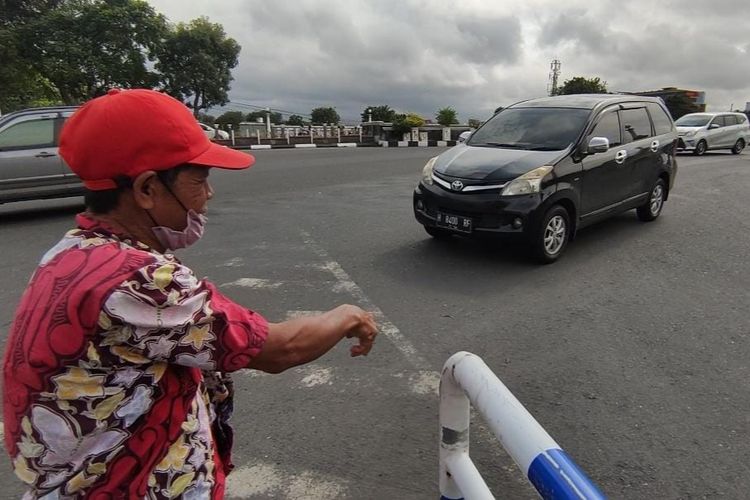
pixel 457 185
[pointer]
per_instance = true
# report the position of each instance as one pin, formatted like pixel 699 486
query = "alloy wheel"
pixel 554 234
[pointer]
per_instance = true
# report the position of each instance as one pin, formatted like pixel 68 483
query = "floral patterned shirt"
pixel 115 373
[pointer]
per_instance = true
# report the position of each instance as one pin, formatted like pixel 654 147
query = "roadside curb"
pixel 381 144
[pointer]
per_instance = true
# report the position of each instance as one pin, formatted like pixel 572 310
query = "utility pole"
pixel 554 74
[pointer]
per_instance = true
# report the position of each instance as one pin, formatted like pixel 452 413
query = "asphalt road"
pixel 632 351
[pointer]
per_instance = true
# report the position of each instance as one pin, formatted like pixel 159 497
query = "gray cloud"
pixel 421 56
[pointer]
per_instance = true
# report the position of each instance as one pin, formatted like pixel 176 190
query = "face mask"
pixel 174 240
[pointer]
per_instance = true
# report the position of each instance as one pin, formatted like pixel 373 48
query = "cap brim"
pixel 223 157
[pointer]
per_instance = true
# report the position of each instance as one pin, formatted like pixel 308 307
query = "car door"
pixel 28 153
pixel 641 147
pixel 731 131
pixel 716 133
pixel 69 178
pixel 604 175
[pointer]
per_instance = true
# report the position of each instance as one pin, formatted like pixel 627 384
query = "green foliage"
pixel 447 117
pixel 207 119
pixel 296 120
pixel 253 116
pixel 319 116
pixel 232 118
pixel 581 85
pixel 474 123
pixel 382 113
pixel 405 122
pixel 85 47
pixel 196 60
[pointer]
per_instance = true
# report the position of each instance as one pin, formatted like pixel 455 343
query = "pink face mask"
pixel 172 239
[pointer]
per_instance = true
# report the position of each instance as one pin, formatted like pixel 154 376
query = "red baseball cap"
pixel 128 132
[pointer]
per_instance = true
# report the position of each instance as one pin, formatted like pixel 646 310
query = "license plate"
pixel 454 222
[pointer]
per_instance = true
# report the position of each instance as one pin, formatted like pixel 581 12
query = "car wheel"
pixel 552 235
pixel 438 234
pixel 700 148
pixel 652 208
pixel 738 147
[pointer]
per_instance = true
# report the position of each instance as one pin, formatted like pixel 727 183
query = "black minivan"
pixel 547 167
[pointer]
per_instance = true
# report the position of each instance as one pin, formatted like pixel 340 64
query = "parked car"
pixel 700 132
pixel 30 165
pixel 545 168
pixel 214 133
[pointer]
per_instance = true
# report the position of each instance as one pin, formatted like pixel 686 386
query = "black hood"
pixel 492 163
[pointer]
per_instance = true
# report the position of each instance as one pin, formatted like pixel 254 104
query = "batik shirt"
pixel 114 371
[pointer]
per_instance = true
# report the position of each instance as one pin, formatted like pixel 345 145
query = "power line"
pixel 263 108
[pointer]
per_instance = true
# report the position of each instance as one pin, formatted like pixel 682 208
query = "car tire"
pixel 700 148
pixel 438 234
pixel 738 147
pixel 551 237
pixel 650 210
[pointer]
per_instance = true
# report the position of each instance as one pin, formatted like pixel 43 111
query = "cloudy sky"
pixel 473 55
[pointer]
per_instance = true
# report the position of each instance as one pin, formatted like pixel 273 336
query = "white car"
pixel 213 133
pixel 700 132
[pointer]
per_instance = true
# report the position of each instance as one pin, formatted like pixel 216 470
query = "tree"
pixel 319 116
pixel 382 113
pixel 447 117
pixel 85 47
pixel 207 119
pixel 296 120
pixel 405 122
pixel 474 123
pixel 232 118
pixel 581 85
pixel 196 62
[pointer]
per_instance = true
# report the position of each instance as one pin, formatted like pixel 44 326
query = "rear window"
pixel 662 122
pixel 741 119
pixel 635 124
pixel 730 120
pixel 540 129
pixel 28 134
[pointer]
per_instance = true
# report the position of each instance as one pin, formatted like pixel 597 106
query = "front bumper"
pixel 490 213
pixel 685 143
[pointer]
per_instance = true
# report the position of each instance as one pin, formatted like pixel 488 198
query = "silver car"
pixel 30 164
pixel 700 132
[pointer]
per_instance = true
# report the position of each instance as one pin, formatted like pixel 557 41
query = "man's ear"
pixel 146 188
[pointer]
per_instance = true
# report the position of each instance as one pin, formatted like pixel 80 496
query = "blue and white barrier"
pixel 466 380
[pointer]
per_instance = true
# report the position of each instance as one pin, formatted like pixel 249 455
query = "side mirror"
pixel 464 136
pixel 713 126
pixel 598 145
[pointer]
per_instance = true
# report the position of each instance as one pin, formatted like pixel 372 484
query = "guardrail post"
pixel 467 379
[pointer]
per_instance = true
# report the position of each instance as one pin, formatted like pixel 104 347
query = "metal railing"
pixel 466 380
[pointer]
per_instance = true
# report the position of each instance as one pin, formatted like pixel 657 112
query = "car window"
pixel 719 120
pixel 608 126
pixel 741 119
pixel 532 128
pixel 730 120
pixel 662 122
pixel 635 124
pixel 27 134
pixel 693 120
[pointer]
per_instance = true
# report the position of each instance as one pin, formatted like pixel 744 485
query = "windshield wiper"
pixel 543 148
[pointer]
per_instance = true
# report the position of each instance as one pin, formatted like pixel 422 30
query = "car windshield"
pixel 538 129
pixel 693 121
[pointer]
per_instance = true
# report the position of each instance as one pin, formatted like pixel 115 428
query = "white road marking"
pixel 316 375
pixel 269 481
pixel 387 328
pixel 425 383
pixel 253 283
pixel 301 314
pixel 2 431
pixel 237 261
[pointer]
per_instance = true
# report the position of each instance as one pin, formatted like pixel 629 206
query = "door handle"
pixel 620 156
pixel 655 146
pixel 45 154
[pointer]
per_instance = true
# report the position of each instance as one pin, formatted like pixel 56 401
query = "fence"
pixel 466 379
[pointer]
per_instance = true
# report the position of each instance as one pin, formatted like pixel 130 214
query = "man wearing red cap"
pixel 116 365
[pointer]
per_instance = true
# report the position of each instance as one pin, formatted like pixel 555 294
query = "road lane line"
pixel 253 283
pixel 345 283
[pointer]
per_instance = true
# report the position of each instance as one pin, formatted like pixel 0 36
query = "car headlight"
pixel 691 133
pixel 427 171
pixel 528 183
